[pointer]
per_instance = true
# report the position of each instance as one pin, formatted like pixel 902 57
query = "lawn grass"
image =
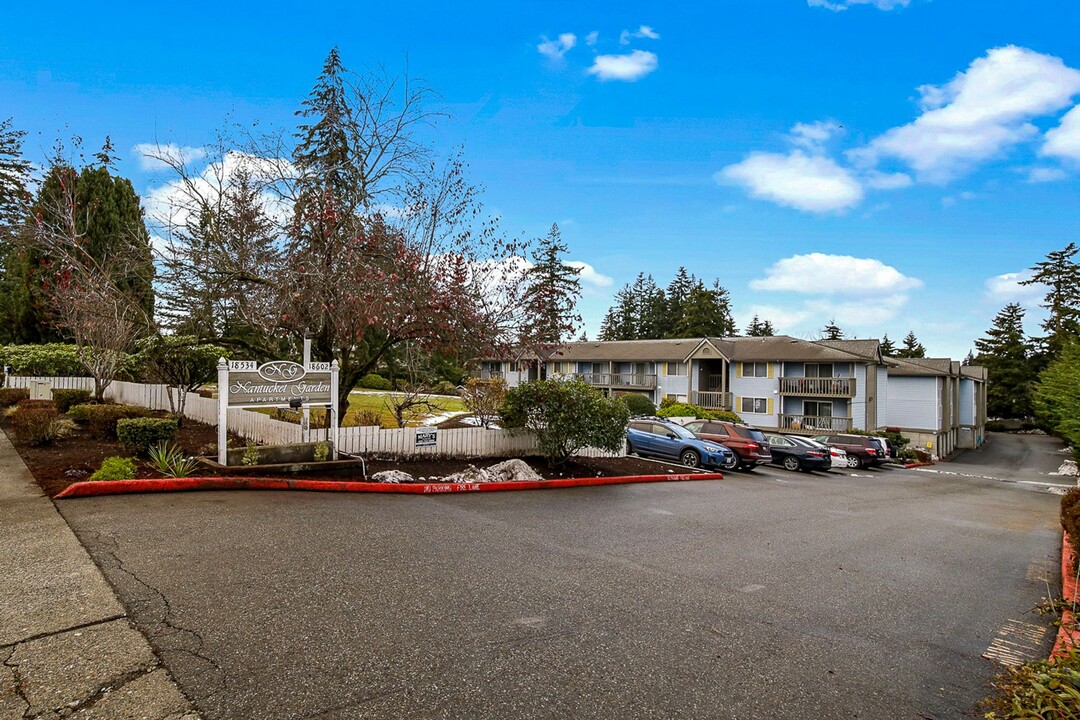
pixel 374 401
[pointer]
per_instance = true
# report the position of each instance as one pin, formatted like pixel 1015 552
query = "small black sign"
pixel 425 437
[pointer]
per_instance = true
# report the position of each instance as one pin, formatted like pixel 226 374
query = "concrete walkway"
pixel 67 647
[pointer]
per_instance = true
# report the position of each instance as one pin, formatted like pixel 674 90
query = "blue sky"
pixel 891 164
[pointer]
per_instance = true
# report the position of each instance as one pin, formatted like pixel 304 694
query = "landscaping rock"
pixel 471 474
pixel 1068 469
pixel 392 476
pixel 513 470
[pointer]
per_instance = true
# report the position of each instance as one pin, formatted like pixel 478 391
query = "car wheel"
pixel 853 461
pixel 791 463
pixel 629 448
pixel 690 458
pixel 732 464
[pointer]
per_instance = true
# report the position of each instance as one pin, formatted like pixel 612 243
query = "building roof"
pixel 921 367
pixel 869 349
pixel 628 350
pixel 786 348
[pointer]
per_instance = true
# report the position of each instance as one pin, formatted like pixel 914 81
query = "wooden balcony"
pixel 635 381
pixel 711 400
pixel 818 387
pixel 814 425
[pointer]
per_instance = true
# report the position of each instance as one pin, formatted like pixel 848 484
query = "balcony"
pixel 711 400
pixel 491 375
pixel 818 387
pixel 812 424
pixel 636 381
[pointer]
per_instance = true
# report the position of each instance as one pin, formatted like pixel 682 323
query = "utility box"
pixel 40 390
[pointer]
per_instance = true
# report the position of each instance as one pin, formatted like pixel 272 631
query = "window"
pixel 583 367
pixel 675 368
pixel 823 370
pixel 755 369
pixel 560 368
pixel 757 406
pixel 817 409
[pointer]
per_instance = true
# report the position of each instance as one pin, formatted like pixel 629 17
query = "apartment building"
pixel 937 402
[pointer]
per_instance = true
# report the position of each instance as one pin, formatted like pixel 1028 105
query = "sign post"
pixel 280 383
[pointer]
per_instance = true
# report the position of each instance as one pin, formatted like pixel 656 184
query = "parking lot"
pixel 770 594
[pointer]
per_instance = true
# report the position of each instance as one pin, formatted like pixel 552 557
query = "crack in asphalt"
pixel 172 638
pixel 70 628
pixel 322 712
pixel 17 678
pixel 103 690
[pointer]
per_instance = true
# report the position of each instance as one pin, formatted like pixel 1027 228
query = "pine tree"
pixel 551 295
pixel 760 328
pixel 1057 395
pixel 912 347
pixel 888 347
pixel 651 307
pixel 17 319
pixel 678 291
pixel 622 319
pixel 707 313
pixel 1005 353
pixel 832 331
pixel 14 178
pixel 1060 273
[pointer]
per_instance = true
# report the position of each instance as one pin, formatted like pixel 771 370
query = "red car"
pixel 748 443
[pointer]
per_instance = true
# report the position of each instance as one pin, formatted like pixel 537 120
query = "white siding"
pixel 858 403
pixel 913 403
pixel 882 396
pixel 967 401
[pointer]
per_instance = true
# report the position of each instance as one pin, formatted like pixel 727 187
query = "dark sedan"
pixel 796 456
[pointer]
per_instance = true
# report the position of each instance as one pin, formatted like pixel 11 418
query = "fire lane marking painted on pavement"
pixel 1040 571
pixel 1016 643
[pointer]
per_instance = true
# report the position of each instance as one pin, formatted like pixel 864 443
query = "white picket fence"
pixel 392 442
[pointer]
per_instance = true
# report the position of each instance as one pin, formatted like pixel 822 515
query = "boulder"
pixel 392 476
pixel 513 470
pixel 471 474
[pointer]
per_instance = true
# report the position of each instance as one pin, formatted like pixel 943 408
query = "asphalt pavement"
pixel 771 594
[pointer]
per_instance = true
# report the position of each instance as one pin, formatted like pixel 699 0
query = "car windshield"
pixel 680 431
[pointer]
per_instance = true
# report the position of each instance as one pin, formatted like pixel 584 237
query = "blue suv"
pixel 654 436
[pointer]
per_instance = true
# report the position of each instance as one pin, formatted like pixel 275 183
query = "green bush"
pixel 115 468
pixel 677 409
pixel 1044 690
pixel 11 396
pixel 140 434
pixel 995 426
pixel 637 404
pixel 101 420
pixel 1070 518
pixel 37 422
pixel 170 460
pixel 371 381
pixel 445 387
pixel 566 416
pixel 66 399
pixel 51 360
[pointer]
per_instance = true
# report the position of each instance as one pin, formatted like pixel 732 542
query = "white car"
pixel 837 456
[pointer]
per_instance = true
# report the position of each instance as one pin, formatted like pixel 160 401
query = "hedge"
pixel 371 381
pixel 141 434
pixel 67 399
pixel 12 396
pixel 101 419
pixel 115 468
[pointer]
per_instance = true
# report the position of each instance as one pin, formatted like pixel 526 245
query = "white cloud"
pixel 978 114
pixel 558 47
pixel 813 136
pixel 950 200
pixel 822 274
pixel 629 67
pixel 592 37
pixel 153 156
pixel 642 32
pixel 589 275
pixel 887 181
pixel 1064 140
pixel 838 5
pixel 1046 174
pixel 1006 288
pixel 866 312
pixel 811 183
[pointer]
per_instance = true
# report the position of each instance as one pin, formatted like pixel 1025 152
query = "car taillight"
pixel 815 453
pixel 834 453
pixel 753 446
pixel 872 451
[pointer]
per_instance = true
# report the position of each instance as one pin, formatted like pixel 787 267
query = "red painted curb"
pixel 918 464
pixel 1066 637
pixel 123 487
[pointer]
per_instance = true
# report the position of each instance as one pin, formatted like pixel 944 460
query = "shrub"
pixel 37 422
pixel 170 460
pixel 444 387
pixel 367 418
pixel 1070 518
pixel 484 398
pixel 638 404
pixel 995 426
pixel 115 468
pixel 140 434
pixel 66 399
pixel 322 451
pixel 10 396
pixel 371 381
pixel 1044 689
pixel 101 419
pixel 567 416
pixel 48 360
pixel 251 454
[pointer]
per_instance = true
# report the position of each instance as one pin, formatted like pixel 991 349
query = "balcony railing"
pixel 818 387
pixel 491 375
pixel 814 423
pixel 638 381
pixel 711 400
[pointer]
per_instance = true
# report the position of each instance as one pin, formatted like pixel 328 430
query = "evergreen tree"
pixel 760 328
pixel 969 359
pixel 1006 353
pixel 888 347
pixel 707 313
pixel 1060 273
pixel 551 295
pixel 651 307
pixel 678 291
pixel 912 347
pixel 832 331
pixel 14 178
pixel 622 319
pixel 17 320
pixel 1057 396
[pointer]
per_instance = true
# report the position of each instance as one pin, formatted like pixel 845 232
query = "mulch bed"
pixel 74 458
